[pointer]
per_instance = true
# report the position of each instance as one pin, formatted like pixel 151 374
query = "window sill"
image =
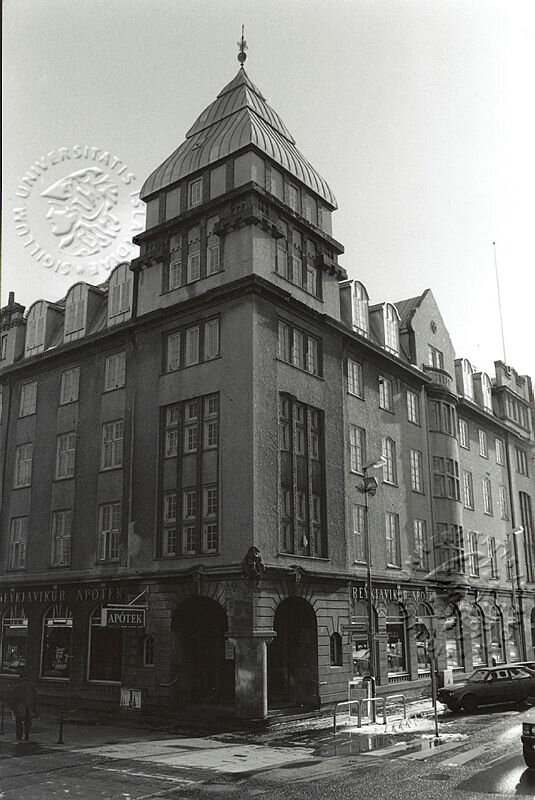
pixel 113 388
pixel 110 469
pixel 391 483
pixel 388 410
pixel 358 396
pixel 301 369
pixel 63 478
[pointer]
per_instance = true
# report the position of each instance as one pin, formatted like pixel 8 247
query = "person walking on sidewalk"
pixel 24 703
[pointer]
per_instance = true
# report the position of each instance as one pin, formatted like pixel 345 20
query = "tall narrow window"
pixel 500 451
pixel 35 329
pixel 360 309
pixel 391 322
pixel 446 478
pixel 354 378
pixel 413 407
pixel 421 547
pixel 195 193
pixel 464 438
pixel 173 351
pixel 386 394
pixel 211 339
pixel 170 539
pixel 112 444
pixel 521 461
pixel 115 371
pixel 194 254
pixel 28 399
pixel 360 532
pixel 468 381
pixel 479 643
pixel 390 467
pixel 70 381
pixel 302 481
pixel 23 465
pixel 109 532
pixel 192 346
pixel 493 557
pixel 487 496
pixel 436 358
pixel 496 645
pixel 393 544
pixel 18 535
pixel 61 538
pixel 56 654
pixel 14 640
pixel 172 415
pixel 416 470
pixel 468 489
pixel 120 292
pixel 483 446
pixel 213 247
pixel 504 502
pixel 473 554
pixel 357 447
pixel 486 390
pixel 298 348
pixel 65 453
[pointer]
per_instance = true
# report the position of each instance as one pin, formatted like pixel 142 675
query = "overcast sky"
pixel 418 113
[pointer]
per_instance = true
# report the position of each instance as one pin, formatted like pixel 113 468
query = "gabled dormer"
pixel 120 285
pixel 464 376
pixel 483 390
pixel 384 324
pixel 354 306
pixel 42 323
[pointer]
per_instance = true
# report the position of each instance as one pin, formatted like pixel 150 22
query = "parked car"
pixel 508 683
pixel 528 738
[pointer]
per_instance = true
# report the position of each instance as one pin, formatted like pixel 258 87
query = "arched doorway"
pixel 293 656
pixel 204 662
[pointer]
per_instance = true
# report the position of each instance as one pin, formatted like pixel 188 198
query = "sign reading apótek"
pixel 123 617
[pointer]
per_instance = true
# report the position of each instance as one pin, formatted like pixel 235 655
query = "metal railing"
pixel 366 700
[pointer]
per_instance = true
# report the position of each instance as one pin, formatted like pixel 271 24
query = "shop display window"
pixel 479 643
pixel 396 630
pixel 454 638
pixel 57 643
pixel 14 638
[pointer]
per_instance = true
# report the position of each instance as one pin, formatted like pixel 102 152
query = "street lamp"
pixel 517 590
pixel 369 486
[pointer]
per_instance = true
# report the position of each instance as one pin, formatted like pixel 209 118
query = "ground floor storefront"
pixel 279 640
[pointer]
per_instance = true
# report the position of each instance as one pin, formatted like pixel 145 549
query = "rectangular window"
pixel 446 481
pixel 191 426
pixel 28 399
pixel 416 469
pixel 421 548
pixel 109 532
pixel 359 532
pixel 211 339
pixel 413 407
pixel 192 346
pixel 500 451
pixel 169 534
pixel 357 447
pixel 450 547
pixel 354 378
pixel 293 197
pixel 302 481
pixel 436 358
pixel 393 544
pixel 173 351
pixel 487 496
pixel 390 472
pixel 468 489
pixel 195 193
pixel 3 347
pixel 493 557
pixel 115 371
pixel 23 465
pixel 521 461
pixel 442 417
pixel 65 452
pixel 18 534
pixel 464 438
pixel 70 381
pixel 171 431
pixel 483 446
pixel 194 267
pixel 298 348
pixel 212 258
pixel 211 422
pixel 210 537
pixel 174 274
pixel 74 316
pixel 386 394
pixel 504 502
pixel 61 538
pixel 473 555
pixel 120 298
pixel 112 444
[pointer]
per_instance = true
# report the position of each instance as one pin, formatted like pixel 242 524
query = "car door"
pixel 523 681
pixel 499 687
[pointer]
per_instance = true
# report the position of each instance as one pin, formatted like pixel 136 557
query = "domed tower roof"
pixel 238 117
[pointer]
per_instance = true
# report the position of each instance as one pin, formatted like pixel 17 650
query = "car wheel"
pixel 454 706
pixel 529 758
pixel 470 703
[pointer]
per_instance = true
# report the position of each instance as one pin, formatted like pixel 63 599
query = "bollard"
pixel 60 737
pixel 2 719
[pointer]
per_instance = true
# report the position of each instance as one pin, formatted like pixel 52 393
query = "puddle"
pixel 350 745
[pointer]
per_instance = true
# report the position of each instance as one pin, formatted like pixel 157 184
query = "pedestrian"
pixel 24 706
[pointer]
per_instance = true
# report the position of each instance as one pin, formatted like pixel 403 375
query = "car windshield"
pixel 478 675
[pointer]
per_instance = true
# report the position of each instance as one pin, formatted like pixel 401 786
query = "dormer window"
pixel 195 193
pixel 120 291
pixel 391 328
pixel 75 309
pixel 486 390
pixel 360 309
pixel 36 329
pixel 468 383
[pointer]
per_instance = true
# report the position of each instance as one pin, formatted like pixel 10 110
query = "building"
pixel 190 439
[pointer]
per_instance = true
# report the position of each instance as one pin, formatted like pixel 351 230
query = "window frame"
pixel 413 407
pixel 115 371
pixel 386 394
pixel 66 397
pixel 117 451
pixel 28 399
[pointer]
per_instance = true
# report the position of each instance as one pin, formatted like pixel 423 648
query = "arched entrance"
pixel 293 656
pixel 204 664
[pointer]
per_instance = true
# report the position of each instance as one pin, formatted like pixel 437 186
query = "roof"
pixel 406 308
pixel 238 117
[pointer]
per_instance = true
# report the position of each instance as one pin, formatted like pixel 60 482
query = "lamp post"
pixel 369 487
pixel 517 589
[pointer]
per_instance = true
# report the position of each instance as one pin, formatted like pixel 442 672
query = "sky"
pixel 418 113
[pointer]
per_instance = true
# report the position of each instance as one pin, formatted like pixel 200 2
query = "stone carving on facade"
pixel 252 565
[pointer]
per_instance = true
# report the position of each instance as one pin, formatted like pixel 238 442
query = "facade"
pixel 190 439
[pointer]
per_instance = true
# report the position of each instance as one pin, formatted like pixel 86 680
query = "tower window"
pixel 195 193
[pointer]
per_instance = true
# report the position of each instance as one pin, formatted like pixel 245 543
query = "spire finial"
pixel 243 47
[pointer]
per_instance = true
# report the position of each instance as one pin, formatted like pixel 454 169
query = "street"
pixel 478 755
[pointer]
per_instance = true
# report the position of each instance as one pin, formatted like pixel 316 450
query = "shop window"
pixel 396 646
pixel 56 652
pixel 336 650
pixel 14 639
pixel 454 638
pixel 496 646
pixel 479 639
pixel 105 650
pixel 148 651
pixel 360 640
pixel 423 630
pixel 513 637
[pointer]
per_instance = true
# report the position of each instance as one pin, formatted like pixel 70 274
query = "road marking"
pixel 468 755
pixel 167 778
